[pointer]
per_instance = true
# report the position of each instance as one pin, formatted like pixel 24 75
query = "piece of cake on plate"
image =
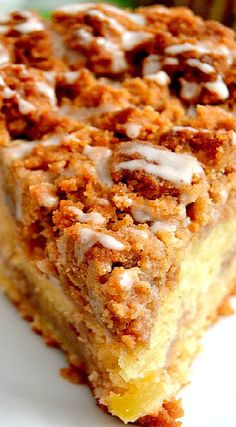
pixel 118 194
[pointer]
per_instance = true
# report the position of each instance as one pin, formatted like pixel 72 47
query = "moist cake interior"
pixel 118 184
pixel 183 316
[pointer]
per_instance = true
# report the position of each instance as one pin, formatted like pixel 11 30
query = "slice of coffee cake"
pixel 118 167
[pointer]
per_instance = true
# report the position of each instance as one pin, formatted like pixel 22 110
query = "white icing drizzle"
pixel 189 90
pixel 184 128
pixel 89 238
pixel 128 40
pixel 133 130
pixel 137 18
pixel 151 64
pixel 101 201
pixel 71 76
pixel 204 67
pixel 163 225
pixel 171 61
pixel 149 168
pixel 128 277
pixel 47 91
pixel 24 106
pixel 126 280
pixel 142 214
pixel 84 37
pixel 176 49
pixel 134 17
pixel 161 78
pixel 100 157
pixel 47 200
pixel 218 87
pixel 30 26
pixel 111 22
pixel 94 217
pixel 233 137
pixel 74 8
pixel 9 93
pixel 118 60
pixel 178 168
pixel 131 39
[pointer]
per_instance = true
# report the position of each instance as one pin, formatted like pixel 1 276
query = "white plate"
pixel 32 394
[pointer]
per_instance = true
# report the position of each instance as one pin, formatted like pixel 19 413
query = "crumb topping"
pixel 168 46
pixel 174 167
pixel 23 22
pixel 118 146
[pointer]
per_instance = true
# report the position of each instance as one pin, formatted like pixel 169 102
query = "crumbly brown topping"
pixel 28 39
pixel 167 417
pixel 168 46
pixel 112 153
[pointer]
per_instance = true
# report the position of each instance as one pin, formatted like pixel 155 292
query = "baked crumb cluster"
pixel 118 146
pixel 168 46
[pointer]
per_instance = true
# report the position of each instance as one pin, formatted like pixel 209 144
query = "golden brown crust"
pixel 118 143
pixel 167 417
pixel 75 374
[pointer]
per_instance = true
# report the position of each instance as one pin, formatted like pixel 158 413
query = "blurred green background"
pixel 220 10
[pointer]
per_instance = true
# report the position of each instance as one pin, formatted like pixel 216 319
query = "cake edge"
pixel 171 411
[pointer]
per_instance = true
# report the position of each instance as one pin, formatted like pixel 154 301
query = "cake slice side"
pixel 118 197
pixel 144 288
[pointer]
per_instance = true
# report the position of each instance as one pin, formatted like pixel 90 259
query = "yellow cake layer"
pixel 134 384
pixel 158 373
